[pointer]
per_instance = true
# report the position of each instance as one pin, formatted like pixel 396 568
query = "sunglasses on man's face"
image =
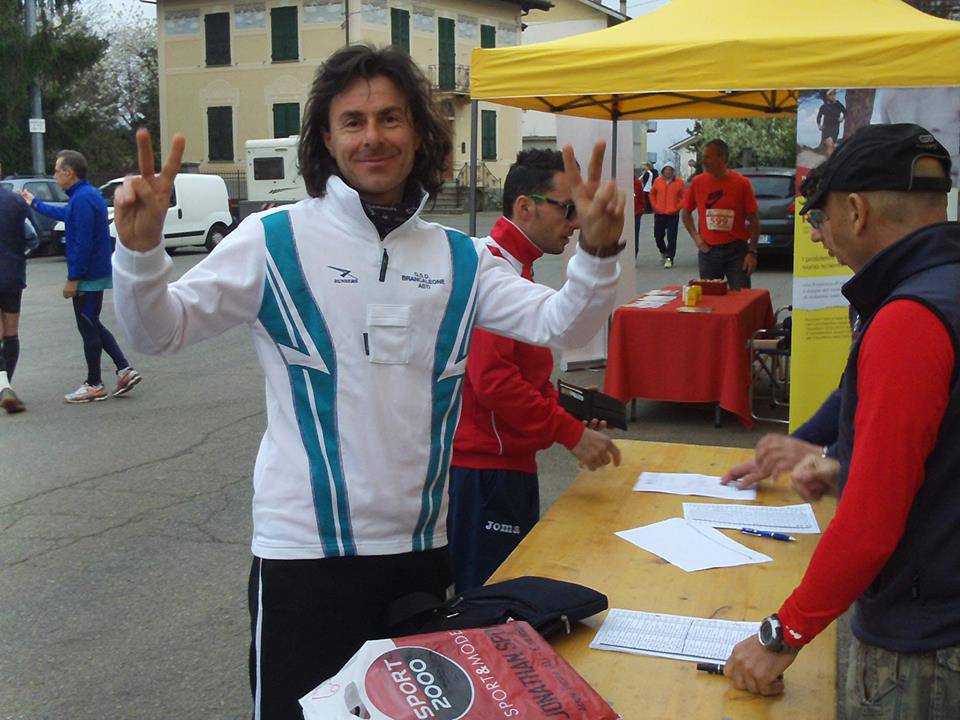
pixel 816 218
pixel 569 208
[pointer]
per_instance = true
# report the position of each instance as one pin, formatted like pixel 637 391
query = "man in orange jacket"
pixel 666 197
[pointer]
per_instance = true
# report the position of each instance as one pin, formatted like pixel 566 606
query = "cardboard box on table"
pixel 504 671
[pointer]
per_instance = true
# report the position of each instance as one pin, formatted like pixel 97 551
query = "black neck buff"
pixel 387 218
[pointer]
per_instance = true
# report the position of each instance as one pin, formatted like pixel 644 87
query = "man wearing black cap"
pixel 894 544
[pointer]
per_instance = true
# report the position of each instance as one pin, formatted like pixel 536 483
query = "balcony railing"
pixel 447 77
pixel 485 178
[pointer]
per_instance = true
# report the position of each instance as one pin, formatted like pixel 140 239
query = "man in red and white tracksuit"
pixel 510 407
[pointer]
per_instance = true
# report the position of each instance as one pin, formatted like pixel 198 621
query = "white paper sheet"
pixel 651 301
pixel 786 518
pixel 691 484
pixel 671 636
pixel 690 546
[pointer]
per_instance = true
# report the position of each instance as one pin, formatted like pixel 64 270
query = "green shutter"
pixel 283 33
pixel 220 133
pixel 488 134
pixel 400 29
pixel 217 36
pixel 286 119
pixel 447 53
pixel 488 36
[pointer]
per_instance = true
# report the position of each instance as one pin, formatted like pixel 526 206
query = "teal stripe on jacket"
pixel 457 320
pixel 312 370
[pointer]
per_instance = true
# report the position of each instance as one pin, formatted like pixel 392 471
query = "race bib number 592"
pixel 720 220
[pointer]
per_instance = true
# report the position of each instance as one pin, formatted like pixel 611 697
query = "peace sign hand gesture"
pixel 140 204
pixel 599 207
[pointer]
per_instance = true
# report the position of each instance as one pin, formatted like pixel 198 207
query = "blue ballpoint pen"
pixel 768 534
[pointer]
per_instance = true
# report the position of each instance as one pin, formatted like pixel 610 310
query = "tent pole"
pixel 474 112
pixel 613 150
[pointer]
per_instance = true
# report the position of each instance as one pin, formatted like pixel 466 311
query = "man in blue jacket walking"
pixel 89 273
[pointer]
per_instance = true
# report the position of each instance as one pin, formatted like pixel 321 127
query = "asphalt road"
pixel 125 525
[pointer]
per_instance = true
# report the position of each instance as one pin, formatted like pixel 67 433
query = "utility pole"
pixel 36 110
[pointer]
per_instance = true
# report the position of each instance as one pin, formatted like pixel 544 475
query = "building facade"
pixel 242 70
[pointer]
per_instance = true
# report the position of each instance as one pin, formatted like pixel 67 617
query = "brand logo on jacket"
pixel 423 281
pixel 345 275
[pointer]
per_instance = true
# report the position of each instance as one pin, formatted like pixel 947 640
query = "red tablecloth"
pixel 663 354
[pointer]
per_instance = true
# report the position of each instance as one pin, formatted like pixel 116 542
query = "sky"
pixel 668 131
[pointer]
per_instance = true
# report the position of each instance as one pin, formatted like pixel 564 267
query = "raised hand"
pixel 599 207
pixel 140 204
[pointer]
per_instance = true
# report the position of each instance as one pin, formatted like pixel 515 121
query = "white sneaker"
pixel 668 263
pixel 86 393
pixel 10 402
pixel 126 380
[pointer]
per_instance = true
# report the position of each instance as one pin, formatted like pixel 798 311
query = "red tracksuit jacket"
pixel 510 408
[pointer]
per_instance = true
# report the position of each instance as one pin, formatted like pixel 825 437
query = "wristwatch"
pixel 771 634
pixel 602 252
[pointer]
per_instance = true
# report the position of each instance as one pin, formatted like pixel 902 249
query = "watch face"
pixel 767 634
pixel 771 633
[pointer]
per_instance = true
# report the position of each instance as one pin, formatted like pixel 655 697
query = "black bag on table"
pixel 550 606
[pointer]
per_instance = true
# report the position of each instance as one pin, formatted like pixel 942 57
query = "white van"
pixel 273 174
pixel 199 211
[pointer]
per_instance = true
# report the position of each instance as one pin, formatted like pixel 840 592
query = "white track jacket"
pixel 364 345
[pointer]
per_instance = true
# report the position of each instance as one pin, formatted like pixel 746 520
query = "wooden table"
pixel 574 541
pixel 663 354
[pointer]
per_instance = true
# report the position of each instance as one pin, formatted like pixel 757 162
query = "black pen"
pixel 712 668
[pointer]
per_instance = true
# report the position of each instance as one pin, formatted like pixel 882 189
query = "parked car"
pixel 775 188
pixel 199 211
pixel 48 241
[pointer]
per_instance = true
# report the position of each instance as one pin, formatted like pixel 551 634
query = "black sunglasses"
pixel 569 208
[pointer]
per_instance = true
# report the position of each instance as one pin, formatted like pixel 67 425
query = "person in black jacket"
pixel 14 215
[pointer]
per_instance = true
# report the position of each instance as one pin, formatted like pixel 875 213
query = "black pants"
pixel 666 225
pixel 725 260
pixel 491 511
pixel 308 617
pixel 96 338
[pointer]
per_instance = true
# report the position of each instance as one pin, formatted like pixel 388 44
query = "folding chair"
pixel 769 357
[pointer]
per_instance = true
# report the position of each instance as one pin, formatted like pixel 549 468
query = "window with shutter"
pixel 217 34
pixel 400 29
pixel 488 36
pixel 447 53
pixel 286 119
pixel 488 134
pixel 220 133
pixel 283 34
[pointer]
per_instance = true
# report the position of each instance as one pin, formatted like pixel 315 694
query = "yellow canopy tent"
pixel 706 58
pixel 736 58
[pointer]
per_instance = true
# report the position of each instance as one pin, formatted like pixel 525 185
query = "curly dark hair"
pixel 531 174
pixel 362 61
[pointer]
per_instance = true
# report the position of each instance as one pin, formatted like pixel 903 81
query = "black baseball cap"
pixel 878 157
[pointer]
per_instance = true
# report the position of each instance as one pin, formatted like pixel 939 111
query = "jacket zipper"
pixel 383 265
